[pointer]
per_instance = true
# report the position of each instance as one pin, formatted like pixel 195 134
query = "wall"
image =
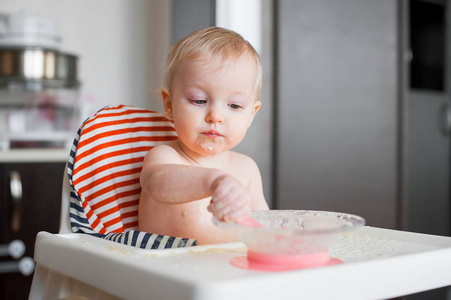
pixel 121 45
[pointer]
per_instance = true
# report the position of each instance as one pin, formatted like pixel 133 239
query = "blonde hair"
pixel 217 45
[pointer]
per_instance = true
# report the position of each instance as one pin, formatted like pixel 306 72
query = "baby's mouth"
pixel 212 134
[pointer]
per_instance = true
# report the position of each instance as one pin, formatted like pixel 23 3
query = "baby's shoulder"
pixel 242 161
pixel 162 149
pixel 165 153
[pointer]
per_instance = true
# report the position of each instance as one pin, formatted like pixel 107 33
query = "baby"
pixel 212 89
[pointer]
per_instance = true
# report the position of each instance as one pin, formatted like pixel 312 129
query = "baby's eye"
pixel 235 106
pixel 198 102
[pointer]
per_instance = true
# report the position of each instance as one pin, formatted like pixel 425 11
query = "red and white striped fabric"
pixel 105 166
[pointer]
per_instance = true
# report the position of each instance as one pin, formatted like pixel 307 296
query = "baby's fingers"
pixel 229 198
pixel 228 211
pixel 218 209
pixel 235 214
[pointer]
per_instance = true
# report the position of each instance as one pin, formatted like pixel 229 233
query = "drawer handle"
pixel 15 186
pixel 15 249
pixel 25 266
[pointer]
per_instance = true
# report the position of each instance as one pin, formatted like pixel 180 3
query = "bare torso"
pixel 192 219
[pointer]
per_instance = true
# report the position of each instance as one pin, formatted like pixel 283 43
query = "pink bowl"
pixel 292 239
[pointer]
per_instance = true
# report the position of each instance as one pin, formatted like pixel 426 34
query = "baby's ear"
pixel 255 109
pixel 167 102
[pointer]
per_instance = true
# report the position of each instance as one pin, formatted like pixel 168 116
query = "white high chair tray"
pixel 378 263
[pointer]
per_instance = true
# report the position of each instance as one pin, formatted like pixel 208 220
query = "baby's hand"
pixel 230 199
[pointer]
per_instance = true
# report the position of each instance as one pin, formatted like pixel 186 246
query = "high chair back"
pixel 103 175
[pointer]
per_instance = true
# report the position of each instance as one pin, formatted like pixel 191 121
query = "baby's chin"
pixel 210 149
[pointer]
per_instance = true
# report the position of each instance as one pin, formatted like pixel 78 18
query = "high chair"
pixel 100 254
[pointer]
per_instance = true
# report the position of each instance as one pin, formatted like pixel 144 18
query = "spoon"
pixel 248 222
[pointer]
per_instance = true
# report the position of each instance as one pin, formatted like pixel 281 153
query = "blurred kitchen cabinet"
pixel 37 188
pixel 352 134
pixel 337 100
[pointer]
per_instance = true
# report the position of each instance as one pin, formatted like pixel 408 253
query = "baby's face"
pixel 212 107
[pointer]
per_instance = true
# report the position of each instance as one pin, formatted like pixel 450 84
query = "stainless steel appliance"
pixel 39 96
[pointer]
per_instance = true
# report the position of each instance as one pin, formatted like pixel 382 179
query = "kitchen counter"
pixel 378 264
pixel 34 155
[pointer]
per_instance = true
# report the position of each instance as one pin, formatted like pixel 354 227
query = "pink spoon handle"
pixel 248 222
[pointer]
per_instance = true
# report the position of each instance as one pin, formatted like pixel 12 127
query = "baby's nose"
pixel 214 115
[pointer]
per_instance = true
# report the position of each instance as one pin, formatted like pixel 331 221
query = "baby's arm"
pixel 165 179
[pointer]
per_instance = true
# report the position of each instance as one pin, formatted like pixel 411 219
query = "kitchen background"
pixel 350 120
